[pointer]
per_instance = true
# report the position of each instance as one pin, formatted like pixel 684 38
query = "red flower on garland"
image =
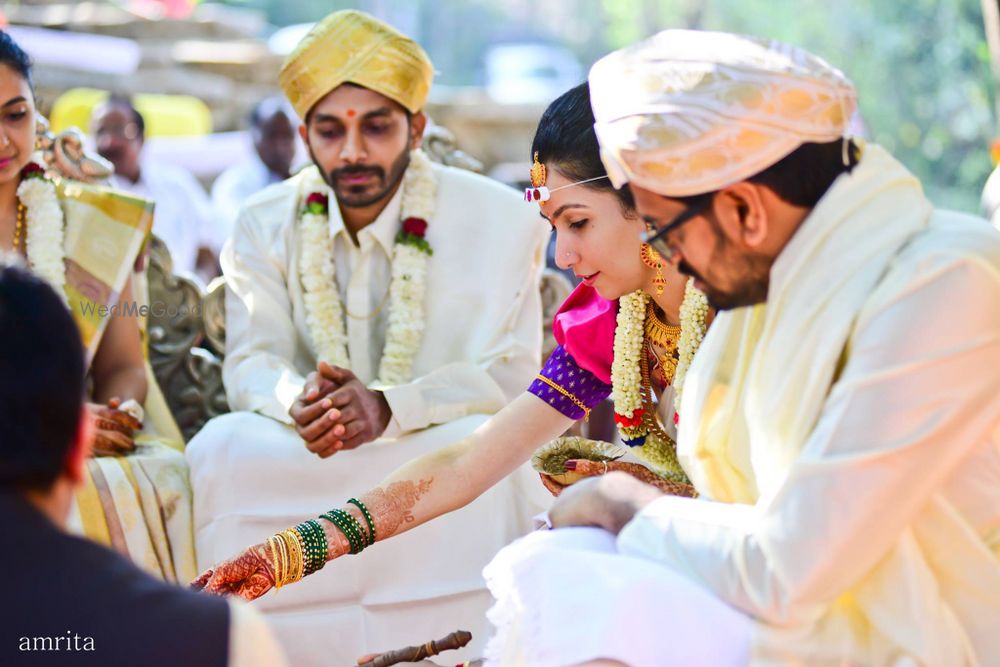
pixel 415 226
pixel 634 420
pixel 317 203
pixel 32 170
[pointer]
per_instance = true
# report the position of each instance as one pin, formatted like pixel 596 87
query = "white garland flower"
pixel 657 450
pixel 324 311
pixel 694 324
pixel 406 322
pixel 45 230
pixel 626 376
pixel 324 314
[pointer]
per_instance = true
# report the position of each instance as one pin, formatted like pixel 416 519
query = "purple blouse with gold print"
pixel 577 375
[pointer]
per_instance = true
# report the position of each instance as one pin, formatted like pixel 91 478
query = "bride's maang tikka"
pixel 538 192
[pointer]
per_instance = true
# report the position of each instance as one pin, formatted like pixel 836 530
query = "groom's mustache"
pixel 357 170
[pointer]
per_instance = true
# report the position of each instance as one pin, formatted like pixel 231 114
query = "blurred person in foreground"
pixel 273 126
pixel 183 217
pixel 379 306
pixel 66 594
pixel 841 420
pixel 84 241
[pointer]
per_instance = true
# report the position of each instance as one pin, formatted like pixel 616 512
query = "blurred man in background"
pixel 273 126
pixel 183 217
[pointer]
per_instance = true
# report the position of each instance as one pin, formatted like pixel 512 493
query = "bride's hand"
pixel 248 575
pixel 589 468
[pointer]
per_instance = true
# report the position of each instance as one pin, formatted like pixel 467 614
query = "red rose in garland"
pixel 317 203
pixel 413 232
pixel 415 226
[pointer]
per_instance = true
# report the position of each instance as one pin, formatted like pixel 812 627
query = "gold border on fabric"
pixel 91 510
pixel 105 230
pixel 116 535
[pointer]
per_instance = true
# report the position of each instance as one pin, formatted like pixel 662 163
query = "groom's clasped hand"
pixel 336 411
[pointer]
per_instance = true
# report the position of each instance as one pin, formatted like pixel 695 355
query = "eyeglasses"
pixel 657 238
pixel 129 131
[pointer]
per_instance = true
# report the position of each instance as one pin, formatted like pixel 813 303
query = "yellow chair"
pixel 165 115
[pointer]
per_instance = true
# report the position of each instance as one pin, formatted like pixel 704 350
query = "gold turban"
pixel 354 47
pixel 687 112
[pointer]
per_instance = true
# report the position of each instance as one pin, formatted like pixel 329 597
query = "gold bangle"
pixel 272 544
pixel 297 564
pixel 577 401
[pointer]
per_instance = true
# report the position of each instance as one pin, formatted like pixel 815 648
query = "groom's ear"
pixel 75 465
pixel 418 123
pixel 743 206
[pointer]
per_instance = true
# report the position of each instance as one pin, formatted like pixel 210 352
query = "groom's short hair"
pixel 41 380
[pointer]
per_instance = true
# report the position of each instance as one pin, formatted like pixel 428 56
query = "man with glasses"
pixel 183 217
pixel 842 417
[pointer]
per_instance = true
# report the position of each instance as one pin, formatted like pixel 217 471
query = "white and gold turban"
pixel 687 112
pixel 354 47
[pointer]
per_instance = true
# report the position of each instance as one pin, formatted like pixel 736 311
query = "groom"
pixel 378 307
pixel 842 418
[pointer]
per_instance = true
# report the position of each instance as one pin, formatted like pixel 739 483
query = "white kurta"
pixel 183 215
pixel 253 476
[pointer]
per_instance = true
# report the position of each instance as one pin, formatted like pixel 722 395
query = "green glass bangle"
pixel 368 518
pixel 355 526
pixel 341 525
pixel 349 526
pixel 314 542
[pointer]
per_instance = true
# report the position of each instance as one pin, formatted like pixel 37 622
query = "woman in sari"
pixel 619 334
pixel 85 240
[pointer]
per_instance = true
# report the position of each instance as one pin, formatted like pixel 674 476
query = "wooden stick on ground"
pixel 455 640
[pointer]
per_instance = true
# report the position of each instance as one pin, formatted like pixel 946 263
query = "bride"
pixel 629 330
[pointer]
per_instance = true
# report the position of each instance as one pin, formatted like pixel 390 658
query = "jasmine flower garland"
pixel 324 311
pixel 44 221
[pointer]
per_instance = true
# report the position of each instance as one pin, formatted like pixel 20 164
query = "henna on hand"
pixel 553 487
pixel 114 429
pixel 390 508
pixel 247 575
pixel 112 443
pixel 590 468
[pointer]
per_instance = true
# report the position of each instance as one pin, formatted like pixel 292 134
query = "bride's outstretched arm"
pixel 421 490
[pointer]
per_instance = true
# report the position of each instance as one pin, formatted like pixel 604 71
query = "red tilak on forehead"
pixel 351 113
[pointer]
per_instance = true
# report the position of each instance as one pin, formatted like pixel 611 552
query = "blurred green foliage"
pixel 921 66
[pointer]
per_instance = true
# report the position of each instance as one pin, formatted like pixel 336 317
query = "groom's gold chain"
pixel 378 310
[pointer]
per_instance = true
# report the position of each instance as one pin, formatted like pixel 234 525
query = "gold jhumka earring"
pixel 651 259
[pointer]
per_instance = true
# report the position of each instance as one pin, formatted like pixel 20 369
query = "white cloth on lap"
pixel 567 596
pixel 252 476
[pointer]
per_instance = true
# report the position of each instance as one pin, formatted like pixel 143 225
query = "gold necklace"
pixel 656 437
pixel 664 336
pixel 374 313
pixel 19 224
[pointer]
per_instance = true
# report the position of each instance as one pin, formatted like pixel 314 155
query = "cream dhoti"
pixel 252 476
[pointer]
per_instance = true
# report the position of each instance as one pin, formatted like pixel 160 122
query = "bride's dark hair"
pixel 565 141
pixel 14 57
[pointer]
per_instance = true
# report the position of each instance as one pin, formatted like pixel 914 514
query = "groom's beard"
pixel 361 196
pixel 751 277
